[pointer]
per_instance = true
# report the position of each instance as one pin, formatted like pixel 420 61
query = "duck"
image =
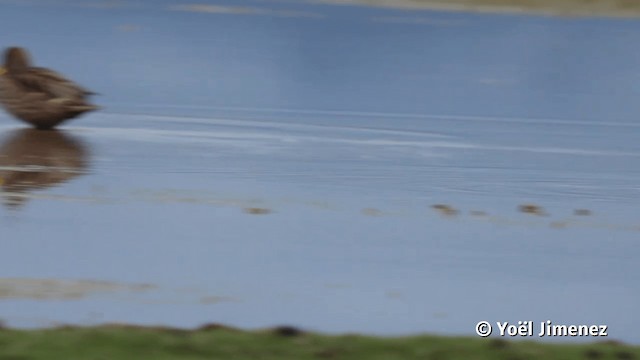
pixel 38 96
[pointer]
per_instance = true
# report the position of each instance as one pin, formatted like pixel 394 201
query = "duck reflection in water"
pixel 33 160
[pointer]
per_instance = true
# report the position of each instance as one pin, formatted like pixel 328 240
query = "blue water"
pixel 346 60
pixel 346 124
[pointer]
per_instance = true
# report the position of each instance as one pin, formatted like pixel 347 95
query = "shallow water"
pixel 337 173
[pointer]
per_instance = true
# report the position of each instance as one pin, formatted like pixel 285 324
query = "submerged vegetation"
pixel 620 8
pixel 220 342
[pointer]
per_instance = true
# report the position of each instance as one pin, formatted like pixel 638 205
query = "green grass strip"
pixel 119 342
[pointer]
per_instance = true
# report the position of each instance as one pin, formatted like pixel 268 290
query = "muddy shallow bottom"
pixel 340 228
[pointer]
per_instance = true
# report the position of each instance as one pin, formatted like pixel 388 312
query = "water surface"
pixel 282 166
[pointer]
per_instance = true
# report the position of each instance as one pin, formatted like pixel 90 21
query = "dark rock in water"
pixel 39 96
pixel 582 212
pixel 531 209
pixel 445 209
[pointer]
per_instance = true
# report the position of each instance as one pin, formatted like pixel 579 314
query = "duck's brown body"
pixel 38 96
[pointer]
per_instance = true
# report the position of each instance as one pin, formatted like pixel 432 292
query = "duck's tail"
pixel 84 107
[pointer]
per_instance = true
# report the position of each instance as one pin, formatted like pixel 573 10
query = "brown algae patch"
pixel 54 289
pixel 559 224
pixel 445 210
pixel 393 294
pixel 612 8
pixel 532 209
pixel 212 299
pixel 478 213
pixel 337 286
pixel 257 211
pixel 371 212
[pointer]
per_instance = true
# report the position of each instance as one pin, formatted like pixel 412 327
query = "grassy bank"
pixel 214 342
pixel 614 8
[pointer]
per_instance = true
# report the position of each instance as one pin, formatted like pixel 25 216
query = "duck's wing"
pixel 51 83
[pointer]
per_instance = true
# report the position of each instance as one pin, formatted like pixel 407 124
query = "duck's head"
pixel 16 59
